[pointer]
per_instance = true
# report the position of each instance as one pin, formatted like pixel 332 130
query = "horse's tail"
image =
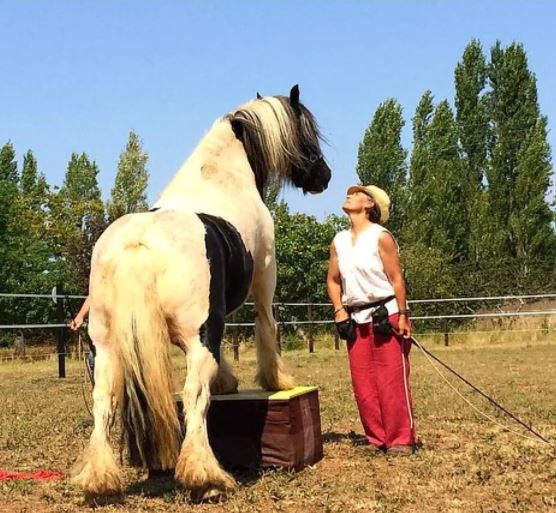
pixel 139 331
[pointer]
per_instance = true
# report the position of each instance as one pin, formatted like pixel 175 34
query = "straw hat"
pixel 379 196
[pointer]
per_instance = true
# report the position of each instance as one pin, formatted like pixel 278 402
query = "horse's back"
pixel 195 257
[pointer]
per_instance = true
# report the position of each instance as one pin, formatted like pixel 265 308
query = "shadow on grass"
pixel 162 483
pixel 331 437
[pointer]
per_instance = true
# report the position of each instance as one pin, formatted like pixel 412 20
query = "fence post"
pixel 277 319
pixel 446 338
pixel 19 345
pixel 310 318
pixel 235 338
pixel 61 333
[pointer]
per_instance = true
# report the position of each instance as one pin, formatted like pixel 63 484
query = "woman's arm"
pixel 80 317
pixel 334 286
pixel 388 251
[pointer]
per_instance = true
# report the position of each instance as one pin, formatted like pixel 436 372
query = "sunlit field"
pixel 467 464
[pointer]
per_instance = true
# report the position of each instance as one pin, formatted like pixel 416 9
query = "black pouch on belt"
pixel 346 329
pixel 381 321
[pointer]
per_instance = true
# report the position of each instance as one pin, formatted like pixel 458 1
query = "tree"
pixel 438 228
pixel 381 159
pixel 447 176
pixel 32 249
pixel 128 194
pixel 531 220
pixel 419 190
pixel 302 249
pixel 473 128
pixel 8 204
pixel 77 221
pixel 514 113
pixel 472 109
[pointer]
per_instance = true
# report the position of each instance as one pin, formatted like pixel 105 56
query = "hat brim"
pixel 358 188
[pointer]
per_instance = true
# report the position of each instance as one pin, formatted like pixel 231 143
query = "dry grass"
pixel 466 465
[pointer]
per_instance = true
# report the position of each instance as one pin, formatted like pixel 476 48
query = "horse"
pixel 170 276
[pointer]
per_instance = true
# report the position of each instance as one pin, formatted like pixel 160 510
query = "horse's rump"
pixel 141 273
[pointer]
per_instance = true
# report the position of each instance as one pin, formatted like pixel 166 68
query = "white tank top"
pixel 362 272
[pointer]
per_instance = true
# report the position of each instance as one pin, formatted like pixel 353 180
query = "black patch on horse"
pixel 231 273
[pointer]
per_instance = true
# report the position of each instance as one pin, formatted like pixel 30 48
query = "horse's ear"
pixel 294 96
pixel 259 97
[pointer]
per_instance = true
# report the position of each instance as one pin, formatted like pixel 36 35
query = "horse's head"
pixel 281 138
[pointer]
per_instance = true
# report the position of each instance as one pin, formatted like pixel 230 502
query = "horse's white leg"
pixel 198 469
pixel 97 473
pixel 270 368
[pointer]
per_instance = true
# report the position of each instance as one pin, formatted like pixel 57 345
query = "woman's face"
pixel 357 202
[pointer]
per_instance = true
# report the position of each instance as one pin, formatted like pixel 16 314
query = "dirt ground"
pixel 466 465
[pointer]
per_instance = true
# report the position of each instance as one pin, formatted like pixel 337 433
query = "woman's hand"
pixel 404 326
pixel 341 315
pixel 76 323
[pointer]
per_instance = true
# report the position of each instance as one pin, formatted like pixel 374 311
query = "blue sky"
pixel 78 75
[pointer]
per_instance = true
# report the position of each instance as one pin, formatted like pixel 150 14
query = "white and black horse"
pixel 171 275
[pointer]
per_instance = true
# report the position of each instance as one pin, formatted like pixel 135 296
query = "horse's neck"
pixel 217 162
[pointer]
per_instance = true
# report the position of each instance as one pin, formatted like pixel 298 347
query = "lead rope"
pixel 430 357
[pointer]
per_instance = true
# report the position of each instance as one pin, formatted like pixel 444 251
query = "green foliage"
pixel 530 221
pixel 472 109
pixel 381 159
pixel 302 248
pixel 25 255
pixel 129 192
pixel 429 273
pixel 77 215
pixel 291 342
pixel 471 103
pixel 420 191
pixel 437 194
pixel 8 208
pixel 514 114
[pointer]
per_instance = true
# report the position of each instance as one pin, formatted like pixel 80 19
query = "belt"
pixel 366 306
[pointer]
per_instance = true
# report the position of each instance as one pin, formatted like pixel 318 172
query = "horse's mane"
pixel 277 138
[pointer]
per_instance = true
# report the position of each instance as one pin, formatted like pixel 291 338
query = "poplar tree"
pixel 516 123
pixel 128 194
pixel 381 159
pixel 473 128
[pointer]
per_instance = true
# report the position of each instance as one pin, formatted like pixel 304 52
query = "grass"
pixel 467 464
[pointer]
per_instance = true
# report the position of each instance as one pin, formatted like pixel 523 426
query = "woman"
pixel 75 324
pixel 366 286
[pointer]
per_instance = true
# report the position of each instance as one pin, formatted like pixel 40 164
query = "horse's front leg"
pixel 198 469
pixel 271 374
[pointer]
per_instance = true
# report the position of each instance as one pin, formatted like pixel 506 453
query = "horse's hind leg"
pixel 270 369
pixel 198 469
pixel 97 473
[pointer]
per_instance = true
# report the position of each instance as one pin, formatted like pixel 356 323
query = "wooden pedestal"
pixel 266 429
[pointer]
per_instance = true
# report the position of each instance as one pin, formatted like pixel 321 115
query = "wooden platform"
pixel 266 429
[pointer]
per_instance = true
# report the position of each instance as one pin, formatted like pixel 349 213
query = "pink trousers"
pixel 379 367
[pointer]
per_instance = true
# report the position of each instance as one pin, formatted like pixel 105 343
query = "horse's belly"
pixel 230 263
